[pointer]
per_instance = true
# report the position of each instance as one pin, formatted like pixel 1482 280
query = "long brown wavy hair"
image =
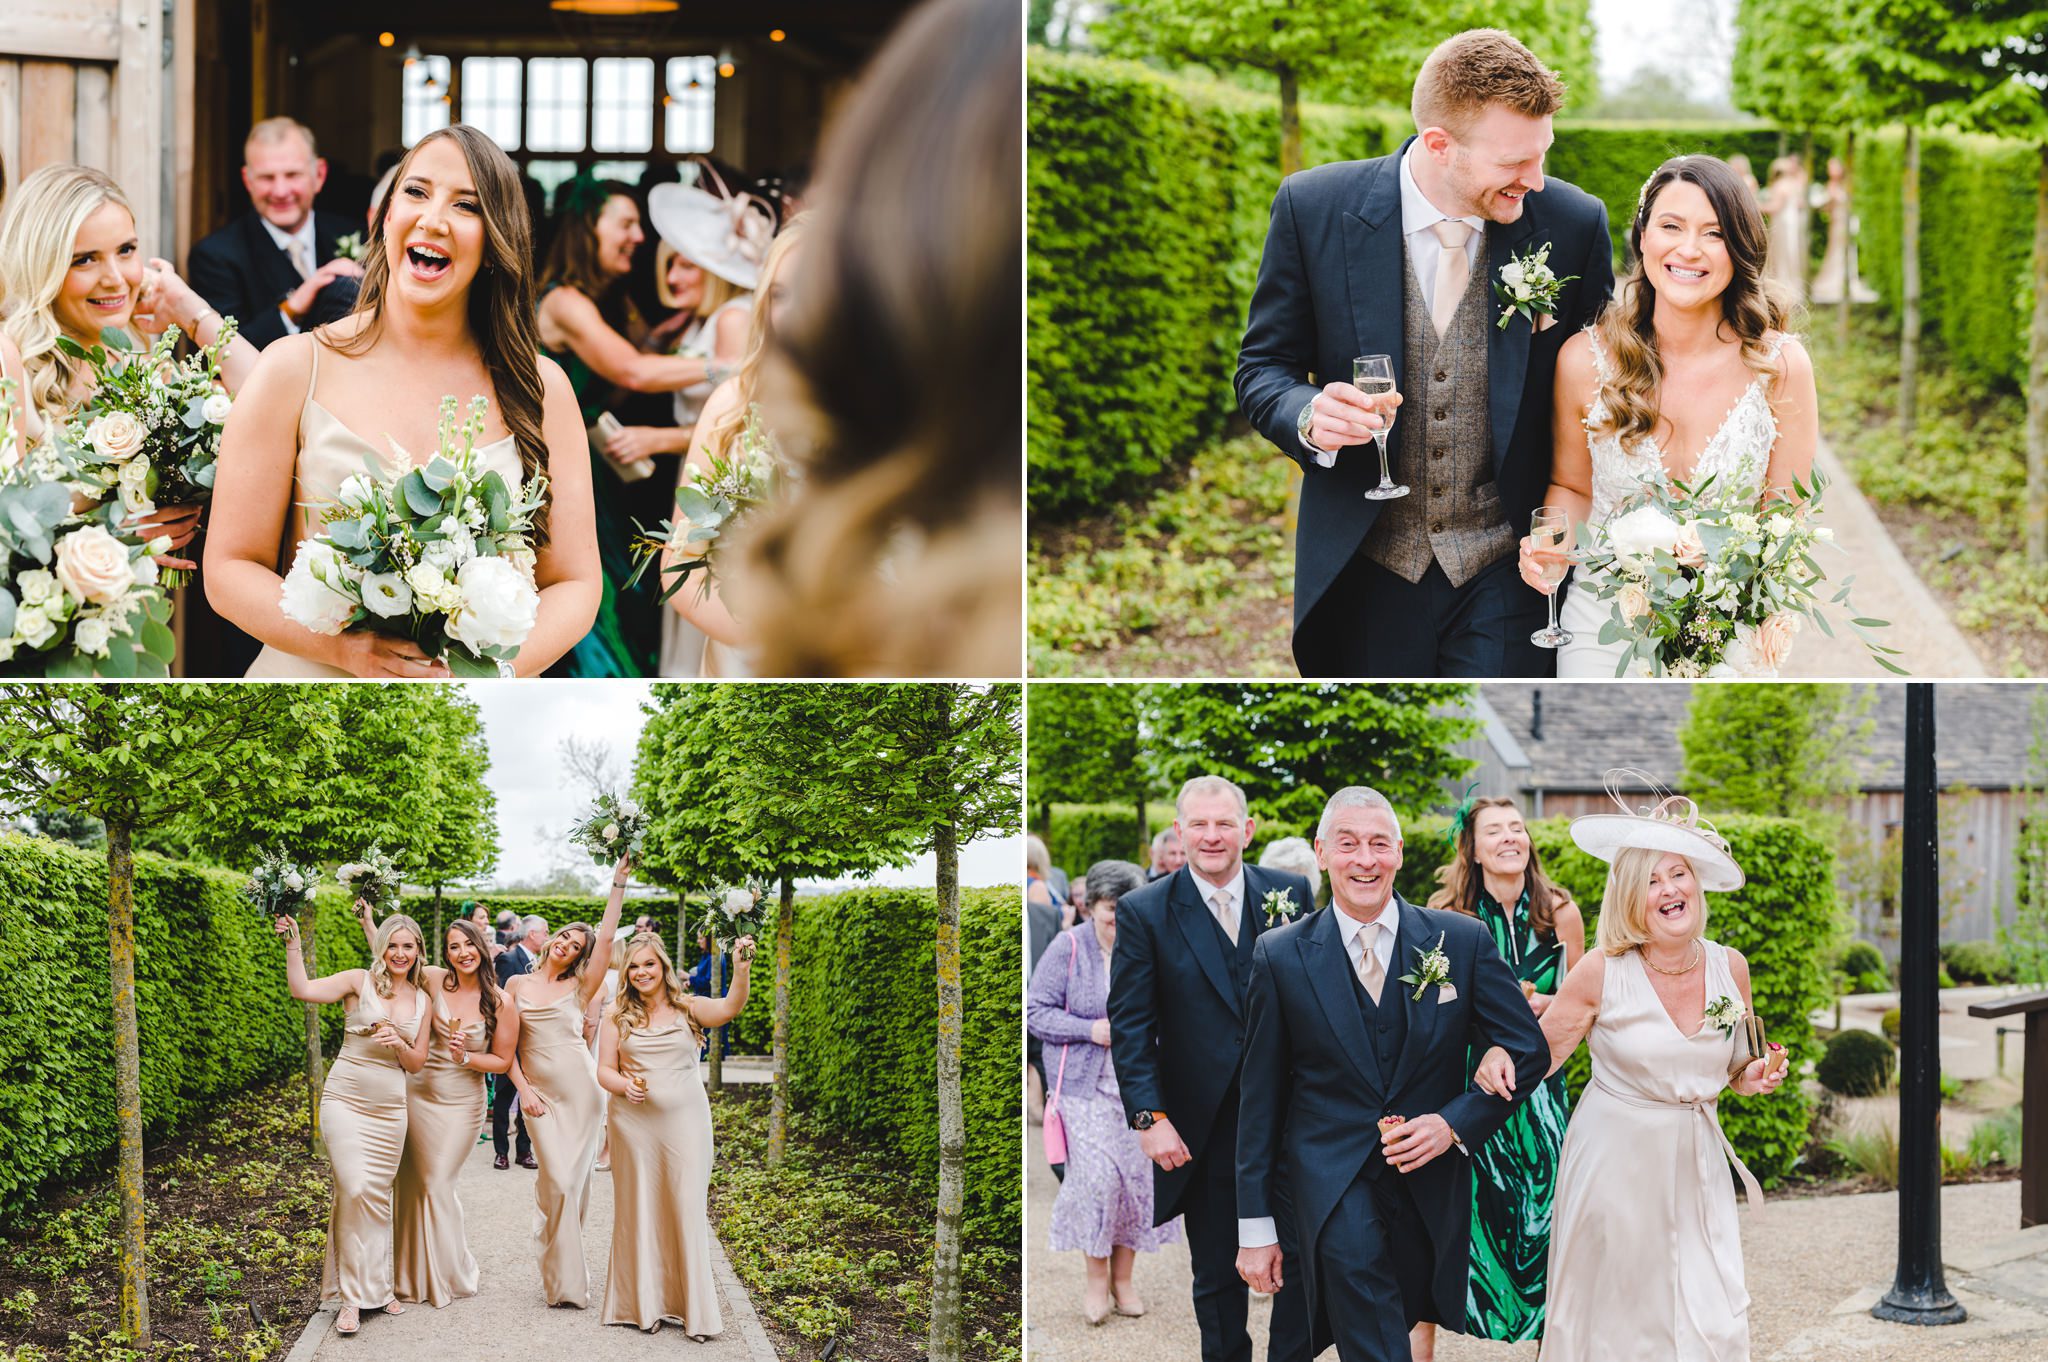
pixel 572 258
pixel 894 382
pixel 629 1008
pixel 576 966
pixel 1751 306
pixel 486 977
pixel 502 319
pixel 1463 881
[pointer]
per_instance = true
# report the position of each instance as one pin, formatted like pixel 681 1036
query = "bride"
pixel 1687 374
pixel 447 306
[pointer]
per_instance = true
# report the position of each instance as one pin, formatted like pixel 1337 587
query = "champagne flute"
pixel 1551 527
pixel 1372 375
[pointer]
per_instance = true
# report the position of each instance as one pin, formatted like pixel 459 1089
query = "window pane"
pixel 622 99
pixel 691 99
pixel 550 175
pixel 490 98
pixel 556 91
pixel 627 172
pixel 425 103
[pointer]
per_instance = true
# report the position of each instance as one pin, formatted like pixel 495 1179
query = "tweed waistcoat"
pixel 1452 512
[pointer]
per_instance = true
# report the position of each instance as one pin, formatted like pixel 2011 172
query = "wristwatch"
pixel 1145 1120
pixel 1305 423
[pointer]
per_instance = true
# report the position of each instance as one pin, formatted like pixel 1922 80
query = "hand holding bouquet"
pixel 441 555
pixel 735 914
pixel 612 828
pixel 279 886
pixel 374 879
pixel 708 508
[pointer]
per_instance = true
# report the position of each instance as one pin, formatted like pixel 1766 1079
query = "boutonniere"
pixel 350 247
pixel 1725 1012
pixel 1526 286
pixel 1432 966
pixel 1280 907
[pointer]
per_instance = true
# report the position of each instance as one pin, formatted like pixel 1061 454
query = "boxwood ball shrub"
pixel 1889 1024
pixel 1977 962
pixel 1857 1064
pixel 1861 958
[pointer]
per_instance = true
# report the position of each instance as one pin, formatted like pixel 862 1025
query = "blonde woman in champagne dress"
pixel 661 1141
pixel 363 1109
pixel 556 1077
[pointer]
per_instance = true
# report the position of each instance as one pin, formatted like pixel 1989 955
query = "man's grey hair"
pixel 1112 880
pixel 1165 835
pixel 1356 797
pixel 1295 854
pixel 279 129
pixel 532 925
pixel 1210 785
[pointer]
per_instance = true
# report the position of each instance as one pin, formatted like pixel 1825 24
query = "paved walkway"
pixel 507 1319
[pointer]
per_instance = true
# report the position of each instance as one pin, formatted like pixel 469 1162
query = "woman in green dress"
pixel 1538 929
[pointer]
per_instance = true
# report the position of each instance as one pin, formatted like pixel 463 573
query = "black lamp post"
pixel 1918 1294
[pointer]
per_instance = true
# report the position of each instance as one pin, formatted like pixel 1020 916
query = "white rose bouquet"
pixel 150 435
pixel 77 599
pixel 374 879
pixel 1705 588
pixel 441 554
pixel 738 912
pixel 613 827
pixel 713 503
pixel 280 887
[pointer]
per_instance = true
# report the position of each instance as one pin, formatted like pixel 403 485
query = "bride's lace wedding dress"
pixel 1736 458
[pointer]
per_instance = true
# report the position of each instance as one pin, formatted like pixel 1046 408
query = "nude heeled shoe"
pixel 1093 1313
pixel 1126 1290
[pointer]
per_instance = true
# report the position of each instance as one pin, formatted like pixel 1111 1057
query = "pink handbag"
pixel 1055 1129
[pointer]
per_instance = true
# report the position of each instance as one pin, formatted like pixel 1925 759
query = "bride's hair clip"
pixel 1643 194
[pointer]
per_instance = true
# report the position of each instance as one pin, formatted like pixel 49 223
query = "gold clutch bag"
pixel 1749 1046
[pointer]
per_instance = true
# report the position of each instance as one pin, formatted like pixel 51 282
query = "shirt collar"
pixel 284 239
pixel 1234 890
pixel 1417 212
pixel 1389 922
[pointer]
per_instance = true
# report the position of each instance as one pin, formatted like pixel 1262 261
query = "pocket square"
pixel 1446 993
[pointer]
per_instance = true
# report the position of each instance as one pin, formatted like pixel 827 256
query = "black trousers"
pixel 1222 1300
pixel 501 1111
pixel 1376 623
pixel 1373 1268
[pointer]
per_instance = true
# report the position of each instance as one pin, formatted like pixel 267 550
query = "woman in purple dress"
pixel 1104 1207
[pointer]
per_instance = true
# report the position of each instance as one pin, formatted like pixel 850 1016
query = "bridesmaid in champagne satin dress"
pixel 556 1076
pixel 363 1109
pixel 661 1141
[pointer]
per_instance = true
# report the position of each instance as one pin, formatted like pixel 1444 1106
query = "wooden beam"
pixel 10 121
pixel 139 163
pixel 74 30
pixel 179 232
pixel 49 107
pixel 93 143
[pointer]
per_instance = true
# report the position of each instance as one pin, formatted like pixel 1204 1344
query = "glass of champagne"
pixel 1372 375
pixel 1550 527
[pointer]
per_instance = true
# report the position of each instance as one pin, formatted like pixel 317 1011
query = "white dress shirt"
pixel 284 242
pixel 1418 216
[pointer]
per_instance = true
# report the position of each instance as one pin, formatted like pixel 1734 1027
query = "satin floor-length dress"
pixel 661 1184
pixel 434 1263
pixel 1645 1249
pixel 561 1070
pixel 363 1120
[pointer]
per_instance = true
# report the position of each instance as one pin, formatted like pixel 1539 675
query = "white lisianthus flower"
pixel 355 491
pixel 629 808
pixel 117 436
pixel 93 635
pixel 217 408
pixel 1779 525
pixel 611 832
pixel 1511 274
pixel 308 597
pixel 386 594
pixel 37 587
pixel 34 626
pixel 93 565
pixel 498 605
pixel 1642 532
pixel 1824 533
pixel 133 483
pixel 145 571
pixel 441 555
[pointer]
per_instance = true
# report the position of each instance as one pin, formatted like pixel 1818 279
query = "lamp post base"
pixel 1919 1307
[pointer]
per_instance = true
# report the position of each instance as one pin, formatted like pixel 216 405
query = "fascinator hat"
pixel 725 233
pixel 1667 822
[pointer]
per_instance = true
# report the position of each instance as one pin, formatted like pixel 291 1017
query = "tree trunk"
pixel 1848 234
pixel 316 1068
pixel 1909 262
pixel 778 1102
pixel 127 1082
pixel 2037 382
pixel 1290 122
pixel 944 1343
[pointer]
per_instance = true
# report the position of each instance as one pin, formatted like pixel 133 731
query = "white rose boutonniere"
pixel 1432 966
pixel 1526 286
pixel 1279 907
pixel 351 247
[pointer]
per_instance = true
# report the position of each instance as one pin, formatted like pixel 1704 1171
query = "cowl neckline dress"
pixel 565 1140
pixel 363 1120
pixel 446 1110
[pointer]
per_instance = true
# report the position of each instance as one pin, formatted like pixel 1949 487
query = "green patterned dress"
pixel 1514 1174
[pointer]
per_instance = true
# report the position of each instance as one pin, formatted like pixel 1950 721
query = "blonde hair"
pixel 38 235
pixel 1625 906
pixel 380 973
pixel 746 379
pixel 629 1009
pixel 1478 67
pixel 718 291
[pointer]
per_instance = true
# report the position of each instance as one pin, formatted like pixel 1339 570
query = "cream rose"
pixel 216 409
pixel 117 436
pixel 93 565
pixel 34 627
pixel 1687 548
pixel 1771 644
pixel 1634 602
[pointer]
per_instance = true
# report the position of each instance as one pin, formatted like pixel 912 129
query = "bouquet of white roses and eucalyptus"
pixel 613 827
pixel 737 912
pixel 78 591
pixel 441 554
pixel 1705 588
pixel 374 879
pixel 709 507
pixel 280 887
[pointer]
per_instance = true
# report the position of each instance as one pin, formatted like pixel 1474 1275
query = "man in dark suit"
pixel 1400 256
pixel 1176 1015
pixel 274 269
pixel 514 960
pixel 1355 1016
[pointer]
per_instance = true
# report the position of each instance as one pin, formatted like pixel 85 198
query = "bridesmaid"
pixel 1495 877
pixel 363 1108
pixel 557 1081
pixel 661 1141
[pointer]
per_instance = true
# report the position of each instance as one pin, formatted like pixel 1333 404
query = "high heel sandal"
pixel 349 1322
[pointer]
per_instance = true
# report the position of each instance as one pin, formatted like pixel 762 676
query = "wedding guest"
pixel 1167 855
pixel 1496 876
pixel 71 267
pixel 593 1017
pixel 1785 201
pixel 1297 856
pixel 899 552
pixel 586 326
pixel 557 1081
pixel 1037 873
pixel 661 1263
pixel 447 307
pixel 1744 172
pixel 272 268
pixel 363 1108
pixel 518 958
pixel 1104 1207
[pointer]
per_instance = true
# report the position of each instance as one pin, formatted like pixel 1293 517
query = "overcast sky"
pixel 1692 39
pixel 525 725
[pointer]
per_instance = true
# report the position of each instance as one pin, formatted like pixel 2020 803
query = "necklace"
pixel 1690 965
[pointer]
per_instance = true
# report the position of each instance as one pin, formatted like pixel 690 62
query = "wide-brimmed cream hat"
pixel 1669 822
pixel 727 234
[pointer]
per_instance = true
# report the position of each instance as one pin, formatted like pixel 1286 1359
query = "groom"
pixel 1336 1041
pixel 1398 256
